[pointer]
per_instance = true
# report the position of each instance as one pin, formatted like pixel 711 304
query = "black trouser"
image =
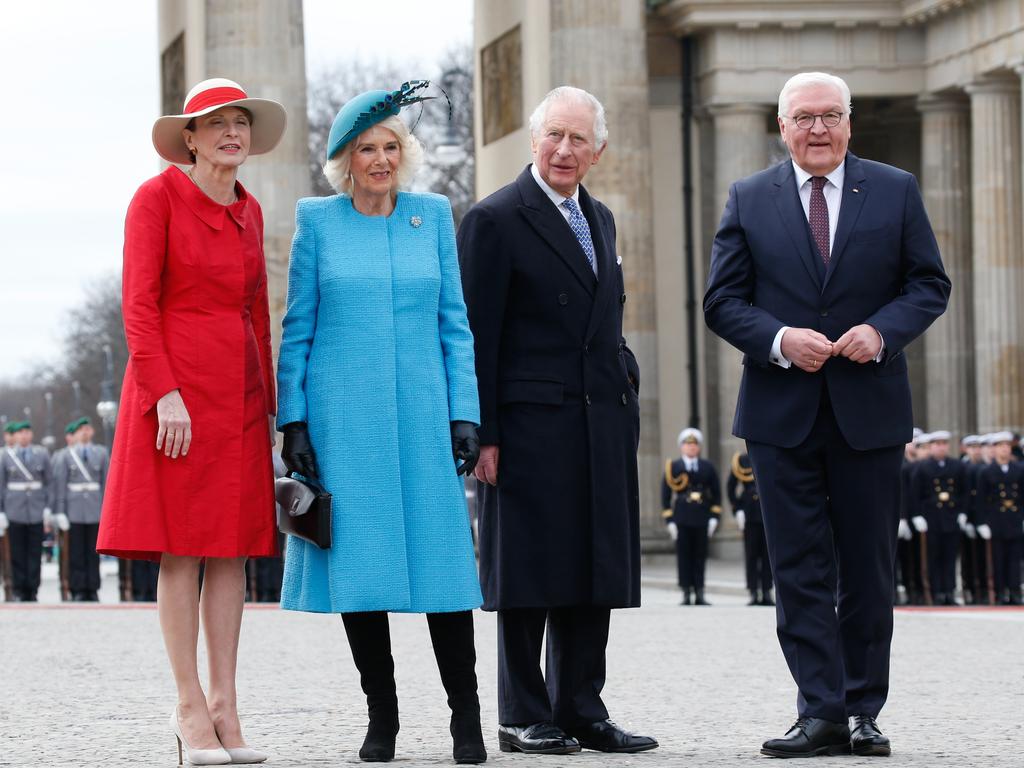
pixel 451 634
pixel 980 547
pixel 968 567
pixel 1006 554
pixel 692 555
pixel 942 549
pixel 909 560
pixel 26 558
pixel 83 561
pixel 269 572
pixel 755 550
pixel 144 578
pixel 569 691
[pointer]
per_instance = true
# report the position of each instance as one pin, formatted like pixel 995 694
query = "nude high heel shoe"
pixel 241 755
pixel 217 756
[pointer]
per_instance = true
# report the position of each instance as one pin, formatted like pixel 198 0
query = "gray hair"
pixel 572 95
pixel 803 79
pixel 336 170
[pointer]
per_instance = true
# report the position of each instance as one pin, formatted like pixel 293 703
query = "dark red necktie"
pixel 818 217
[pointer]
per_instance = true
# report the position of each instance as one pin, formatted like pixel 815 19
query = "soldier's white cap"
pixel 972 440
pixel 923 438
pixel 1001 437
pixel 690 434
pixel 941 434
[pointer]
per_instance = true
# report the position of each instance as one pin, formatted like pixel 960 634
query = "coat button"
pixel 563 299
pixel 586 399
pixel 624 398
pixel 824 313
pixel 622 299
pixel 586 349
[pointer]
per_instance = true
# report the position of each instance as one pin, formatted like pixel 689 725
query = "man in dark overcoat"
pixel 824 268
pixel 558 505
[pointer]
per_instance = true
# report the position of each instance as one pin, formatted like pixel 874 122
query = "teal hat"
pixel 23 425
pixel 74 426
pixel 369 108
pixel 12 427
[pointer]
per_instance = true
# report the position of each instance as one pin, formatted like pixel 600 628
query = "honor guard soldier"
pixel 694 515
pixel 908 562
pixel 941 494
pixel 741 489
pixel 264 574
pixel 1001 518
pixel 972 565
pixel 79 477
pixel 26 499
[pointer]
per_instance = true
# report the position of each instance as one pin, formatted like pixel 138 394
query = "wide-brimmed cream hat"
pixel 268 119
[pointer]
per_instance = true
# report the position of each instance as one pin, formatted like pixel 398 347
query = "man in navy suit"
pixel 823 269
pixel 559 424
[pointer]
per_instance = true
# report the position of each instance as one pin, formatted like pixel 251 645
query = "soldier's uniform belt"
pixel 24 485
pixel 83 486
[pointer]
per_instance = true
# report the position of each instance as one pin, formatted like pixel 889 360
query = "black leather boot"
pixel 687 597
pixel 370 640
pixel 754 599
pixel 452 637
pixel 699 599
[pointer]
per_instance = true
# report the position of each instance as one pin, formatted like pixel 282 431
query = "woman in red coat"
pixel 190 475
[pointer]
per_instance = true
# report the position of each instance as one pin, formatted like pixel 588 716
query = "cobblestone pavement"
pixel 89 685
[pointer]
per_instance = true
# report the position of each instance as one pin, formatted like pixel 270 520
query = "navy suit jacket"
pixel 885 271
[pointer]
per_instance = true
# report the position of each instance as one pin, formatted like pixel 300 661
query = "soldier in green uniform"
pixel 79 475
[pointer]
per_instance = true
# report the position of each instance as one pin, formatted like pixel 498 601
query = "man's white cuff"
pixel 776 355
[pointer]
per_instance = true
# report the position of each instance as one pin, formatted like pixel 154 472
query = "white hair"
pixel 567 93
pixel 336 170
pixel 804 79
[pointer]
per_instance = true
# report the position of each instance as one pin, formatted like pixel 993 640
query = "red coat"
pixel 197 319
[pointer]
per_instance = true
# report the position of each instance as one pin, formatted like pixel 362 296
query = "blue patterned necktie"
pixel 580 228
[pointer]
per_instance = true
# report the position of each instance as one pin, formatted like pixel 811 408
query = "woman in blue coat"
pixel 378 399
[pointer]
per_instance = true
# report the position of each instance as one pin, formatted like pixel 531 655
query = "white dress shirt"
pixel 556 197
pixel 833 192
pixel 691 464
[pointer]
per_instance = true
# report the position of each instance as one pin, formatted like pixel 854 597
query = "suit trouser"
pixel 830 515
pixel 1006 554
pixel 83 561
pixel 569 692
pixel 145 574
pixel 942 551
pixel 968 566
pixel 755 549
pixel 26 558
pixel 692 555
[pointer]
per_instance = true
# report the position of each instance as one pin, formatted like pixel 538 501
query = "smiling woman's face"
pixel 221 138
pixel 376 154
pixel 818 150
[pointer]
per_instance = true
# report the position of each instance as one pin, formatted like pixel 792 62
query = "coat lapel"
pixel 855 192
pixel 541 215
pixel 604 253
pixel 787 200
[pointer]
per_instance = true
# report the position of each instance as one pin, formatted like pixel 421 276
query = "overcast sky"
pixel 81 90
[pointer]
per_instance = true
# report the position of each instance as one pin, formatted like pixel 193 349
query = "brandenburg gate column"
pixel 946 188
pixel 741 148
pixel 998 258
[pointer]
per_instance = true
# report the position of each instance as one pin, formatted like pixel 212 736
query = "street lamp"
pixel 450 151
pixel 49 442
pixel 107 406
pixel 77 389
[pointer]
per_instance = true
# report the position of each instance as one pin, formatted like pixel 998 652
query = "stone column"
pixel 741 148
pixel 998 259
pixel 260 44
pixel 946 188
pixel 601 46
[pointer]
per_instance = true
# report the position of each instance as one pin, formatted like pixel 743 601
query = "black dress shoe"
pixel 606 736
pixel 536 739
pixel 766 599
pixel 754 600
pixel 866 739
pixel 809 737
pixel 699 598
pixel 687 598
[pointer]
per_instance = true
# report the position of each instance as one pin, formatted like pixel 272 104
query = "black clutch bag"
pixel 305 509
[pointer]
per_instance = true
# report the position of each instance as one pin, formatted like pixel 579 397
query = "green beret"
pixel 12 427
pixel 77 424
pixel 24 425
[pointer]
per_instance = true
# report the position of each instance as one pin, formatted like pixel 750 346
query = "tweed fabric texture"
pixel 377 358
pixel 817 216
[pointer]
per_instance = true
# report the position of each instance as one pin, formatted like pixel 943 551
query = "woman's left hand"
pixel 465 446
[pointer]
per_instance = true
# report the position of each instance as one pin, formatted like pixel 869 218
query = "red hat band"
pixel 212 98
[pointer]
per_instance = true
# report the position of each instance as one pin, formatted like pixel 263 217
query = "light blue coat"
pixel 377 358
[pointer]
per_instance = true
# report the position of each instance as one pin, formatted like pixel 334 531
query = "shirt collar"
pixel 556 197
pixel 208 210
pixel 835 177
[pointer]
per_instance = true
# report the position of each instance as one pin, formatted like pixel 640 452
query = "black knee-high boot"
pixel 370 640
pixel 452 637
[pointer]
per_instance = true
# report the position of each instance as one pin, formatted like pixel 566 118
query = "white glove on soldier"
pixel 961 520
pixel 3 523
pixel 741 519
pixel 969 530
pixel 903 531
pixel 920 524
pixel 984 531
pixel 673 531
pixel 63 524
pixel 712 526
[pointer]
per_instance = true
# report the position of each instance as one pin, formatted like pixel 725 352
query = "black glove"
pixel 297 452
pixel 465 446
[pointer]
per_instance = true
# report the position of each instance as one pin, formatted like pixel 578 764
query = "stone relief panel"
pixel 501 73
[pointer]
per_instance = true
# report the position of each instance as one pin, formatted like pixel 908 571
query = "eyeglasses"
pixel 829 120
